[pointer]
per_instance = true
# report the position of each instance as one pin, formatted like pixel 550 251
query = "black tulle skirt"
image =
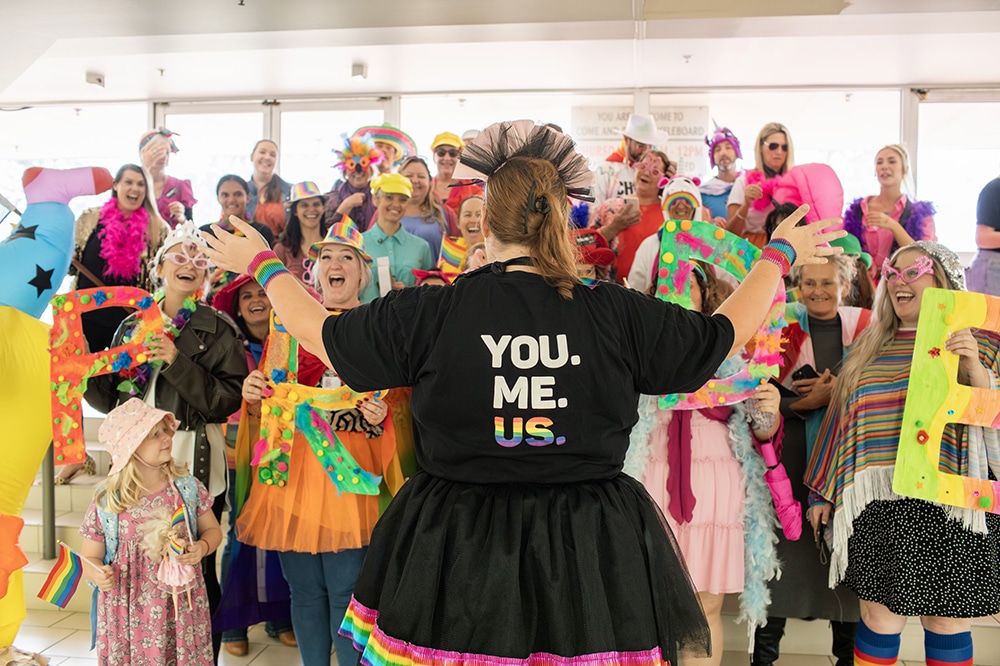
pixel 584 573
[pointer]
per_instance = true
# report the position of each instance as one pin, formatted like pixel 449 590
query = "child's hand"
pixel 195 553
pixel 103 579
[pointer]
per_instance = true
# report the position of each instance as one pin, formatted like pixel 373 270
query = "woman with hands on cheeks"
pixel 904 556
pixel 174 197
pixel 321 534
pixel 554 487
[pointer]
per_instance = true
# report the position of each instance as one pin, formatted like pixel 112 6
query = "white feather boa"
pixel 760 522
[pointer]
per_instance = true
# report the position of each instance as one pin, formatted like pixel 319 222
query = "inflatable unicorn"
pixel 33 261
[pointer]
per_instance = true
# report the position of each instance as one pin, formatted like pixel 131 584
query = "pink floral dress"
pixel 135 621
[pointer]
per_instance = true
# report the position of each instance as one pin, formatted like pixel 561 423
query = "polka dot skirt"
pixel 910 557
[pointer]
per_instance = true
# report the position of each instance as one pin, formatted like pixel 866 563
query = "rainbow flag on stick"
pixel 64 578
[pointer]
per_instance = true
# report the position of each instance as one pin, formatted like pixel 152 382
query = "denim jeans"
pixel 984 273
pixel 321 587
pixel 236 635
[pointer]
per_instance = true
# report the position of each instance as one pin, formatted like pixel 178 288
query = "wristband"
pixel 781 253
pixel 265 267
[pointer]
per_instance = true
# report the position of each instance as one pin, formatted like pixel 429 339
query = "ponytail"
pixel 527 205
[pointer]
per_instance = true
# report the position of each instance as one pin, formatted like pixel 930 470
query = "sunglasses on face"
pixel 450 152
pixel 774 145
pixel 922 266
pixel 182 258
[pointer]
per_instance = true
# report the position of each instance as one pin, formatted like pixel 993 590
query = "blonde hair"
pixel 846 270
pixel 124 488
pixel 430 207
pixel 366 271
pixel 883 328
pixel 513 218
pixel 156 531
pixel 766 131
pixel 904 156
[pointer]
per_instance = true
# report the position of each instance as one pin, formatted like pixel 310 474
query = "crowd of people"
pixel 478 545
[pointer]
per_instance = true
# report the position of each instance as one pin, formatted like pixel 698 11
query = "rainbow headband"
pixel 669 201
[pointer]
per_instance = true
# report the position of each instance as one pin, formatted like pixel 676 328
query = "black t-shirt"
pixel 512 383
pixel 988 208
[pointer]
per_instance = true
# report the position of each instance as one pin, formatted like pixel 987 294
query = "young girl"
pixel 151 603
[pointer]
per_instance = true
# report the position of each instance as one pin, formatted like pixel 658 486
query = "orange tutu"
pixel 308 514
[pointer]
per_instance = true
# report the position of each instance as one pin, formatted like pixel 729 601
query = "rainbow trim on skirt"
pixel 379 649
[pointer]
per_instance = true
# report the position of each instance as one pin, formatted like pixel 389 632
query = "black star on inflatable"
pixel 42 279
pixel 24 232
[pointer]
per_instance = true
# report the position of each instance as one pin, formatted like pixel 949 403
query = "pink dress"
pixel 135 621
pixel 712 543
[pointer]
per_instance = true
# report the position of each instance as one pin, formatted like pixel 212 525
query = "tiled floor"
pixel 65 638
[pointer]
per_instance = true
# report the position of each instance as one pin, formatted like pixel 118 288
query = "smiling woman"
pixel 114 244
pixel 306 227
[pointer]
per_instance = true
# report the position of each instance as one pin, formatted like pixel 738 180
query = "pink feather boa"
pixel 767 186
pixel 123 240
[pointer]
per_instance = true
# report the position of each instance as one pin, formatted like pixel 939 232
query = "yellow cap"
pixel 447 139
pixel 392 183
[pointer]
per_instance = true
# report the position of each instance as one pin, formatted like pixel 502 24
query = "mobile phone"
pixel 632 201
pixel 805 372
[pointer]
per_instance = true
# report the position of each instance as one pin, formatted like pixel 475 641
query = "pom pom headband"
pixel 503 141
pixel 359 153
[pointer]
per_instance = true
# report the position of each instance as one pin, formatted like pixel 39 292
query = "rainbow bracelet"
pixel 779 252
pixel 265 267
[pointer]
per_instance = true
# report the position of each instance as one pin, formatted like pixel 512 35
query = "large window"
pixel 959 154
pixel 212 143
pixel 309 136
pixel 63 137
pixel 841 128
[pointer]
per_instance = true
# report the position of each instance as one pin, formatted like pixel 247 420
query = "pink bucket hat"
pixel 126 426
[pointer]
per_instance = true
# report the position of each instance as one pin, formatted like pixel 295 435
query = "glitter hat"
pixel 304 190
pixel 948 259
pixel 396 138
pixel 125 428
pixel 722 134
pixel 344 232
